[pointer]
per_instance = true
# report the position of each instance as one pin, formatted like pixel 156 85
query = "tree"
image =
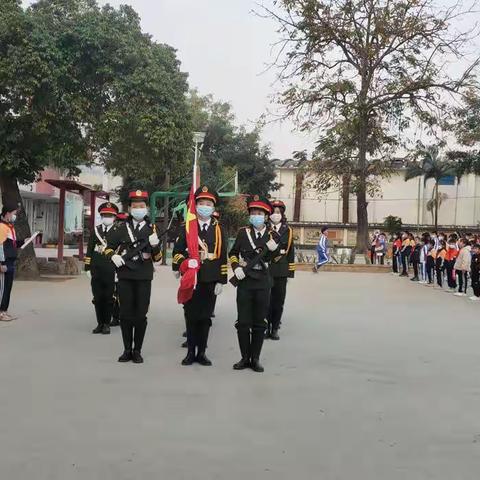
pixel 374 64
pixel 392 224
pixel 228 149
pixel 429 164
pixel 82 84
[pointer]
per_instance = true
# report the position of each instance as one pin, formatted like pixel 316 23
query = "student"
pixel 396 249
pixel 430 261
pixel 440 261
pixel 211 276
pixel 462 267
pixel 373 247
pixel 381 248
pixel 425 241
pixel 255 283
pixel 450 257
pixel 10 244
pixel 133 246
pixel 405 253
pixel 475 272
pixel 282 267
pixel 416 259
pixel 322 249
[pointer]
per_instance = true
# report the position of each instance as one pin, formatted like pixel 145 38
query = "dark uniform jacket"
pixel 95 261
pixel 213 265
pixel 243 251
pixel 475 265
pixel 124 238
pixel 10 247
pixel 283 262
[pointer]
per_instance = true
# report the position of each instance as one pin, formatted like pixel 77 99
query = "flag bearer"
pixel 211 277
pixel 282 267
pixel 100 269
pixel 133 246
pixel 255 282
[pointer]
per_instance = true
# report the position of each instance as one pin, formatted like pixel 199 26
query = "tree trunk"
pixel 345 198
pixel 165 217
pixel 298 196
pixel 27 266
pixel 362 214
pixel 436 206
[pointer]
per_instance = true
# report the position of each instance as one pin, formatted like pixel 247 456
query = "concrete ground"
pixel 374 378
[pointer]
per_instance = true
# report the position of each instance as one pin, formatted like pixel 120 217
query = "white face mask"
pixel 276 218
pixel 107 221
pixel 139 213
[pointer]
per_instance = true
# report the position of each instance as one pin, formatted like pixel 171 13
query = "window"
pixel 447 180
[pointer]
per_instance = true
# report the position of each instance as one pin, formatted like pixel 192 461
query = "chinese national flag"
pixel 188 281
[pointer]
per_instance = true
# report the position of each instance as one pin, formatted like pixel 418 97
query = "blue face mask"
pixel 257 221
pixel 205 211
pixel 138 213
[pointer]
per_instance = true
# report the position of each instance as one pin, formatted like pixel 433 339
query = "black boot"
pixel 105 329
pixel 202 359
pixel 274 335
pixel 256 349
pixel 184 334
pixel 125 357
pixel 268 332
pixel 115 322
pixel 185 344
pixel 190 358
pixel 139 335
pixel 137 357
pixel 98 329
pixel 244 343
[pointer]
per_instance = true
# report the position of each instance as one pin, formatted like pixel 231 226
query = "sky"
pixel 225 48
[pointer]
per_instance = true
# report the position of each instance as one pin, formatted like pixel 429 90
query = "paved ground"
pixel 374 378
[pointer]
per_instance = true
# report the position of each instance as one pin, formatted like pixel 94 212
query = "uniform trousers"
pixel 277 302
pixel 6 285
pixel 103 286
pixel 252 308
pixel 135 300
pixel 198 312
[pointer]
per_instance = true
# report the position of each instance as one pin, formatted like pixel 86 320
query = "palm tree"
pixel 429 164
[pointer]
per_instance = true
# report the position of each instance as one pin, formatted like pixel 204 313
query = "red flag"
pixel 188 281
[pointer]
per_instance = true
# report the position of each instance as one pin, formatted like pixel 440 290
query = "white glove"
pixel 192 263
pixel 118 261
pixel 153 239
pixel 272 245
pixel 176 275
pixel 89 274
pixel 239 273
pixel 218 289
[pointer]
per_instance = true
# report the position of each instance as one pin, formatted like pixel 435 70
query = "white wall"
pixel 406 200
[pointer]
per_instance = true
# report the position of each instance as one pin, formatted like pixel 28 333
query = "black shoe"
pixel 185 344
pixel 98 329
pixel 274 335
pixel 414 279
pixel 202 359
pixel 242 364
pixel 184 334
pixel 213 315
pixel 403 275
pixel 126 356
pixel 115 322
pixel 105 330
pixel 189 359
pixel 137 357
pixel 256 367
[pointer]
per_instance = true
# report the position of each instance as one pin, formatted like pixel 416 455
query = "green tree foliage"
pixel 392 224
pixel 375 65
pixel 81 84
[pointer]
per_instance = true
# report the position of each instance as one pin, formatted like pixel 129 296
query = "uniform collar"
pixel 201 223
pixel 262 232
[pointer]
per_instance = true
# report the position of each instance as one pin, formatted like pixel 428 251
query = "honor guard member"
pixel 212 275
pixel 100 269
pixel 282 267
pixel 121 217
pixel 133 246
pixel 255 282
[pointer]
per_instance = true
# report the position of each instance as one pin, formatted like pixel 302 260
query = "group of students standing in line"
pixel 439 260
pixel 121 255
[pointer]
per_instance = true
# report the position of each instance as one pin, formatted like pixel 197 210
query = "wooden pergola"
pixel 74 187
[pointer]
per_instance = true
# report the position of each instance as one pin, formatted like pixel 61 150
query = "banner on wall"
pixel 73 213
